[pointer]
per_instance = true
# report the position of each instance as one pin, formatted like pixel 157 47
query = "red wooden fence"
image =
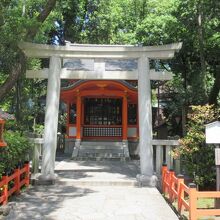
pixel 19 178
pixel 175 189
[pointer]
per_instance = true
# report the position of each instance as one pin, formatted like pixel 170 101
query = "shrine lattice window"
pixel 132 114
pixel 103 111
pixel 72 114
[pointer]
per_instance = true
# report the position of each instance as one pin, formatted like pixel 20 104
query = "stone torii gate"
pixel 99 54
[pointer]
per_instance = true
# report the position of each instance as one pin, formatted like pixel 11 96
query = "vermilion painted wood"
pixel 164 171
pixel 99 89
pixel 2 142
pixel 78 117
pixel 177 190
pixel 5 191
pixel 180 194
pixel 17 183
pixel 2 186
pixel 68 119
pixel 182 202
pixel 125 117
pixel 96 86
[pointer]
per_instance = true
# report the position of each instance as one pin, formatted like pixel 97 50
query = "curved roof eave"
pixel 82 81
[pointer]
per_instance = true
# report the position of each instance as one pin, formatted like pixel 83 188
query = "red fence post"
pixel 171 183
pixel 5 189
pixel 164 170
pixel 17 180
pixel 27 174
pixel 192 202
pixel 167 182
pixel 180 192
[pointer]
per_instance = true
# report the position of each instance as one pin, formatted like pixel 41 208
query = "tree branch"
pixel 41 18
pixel 16 70
pixel 19 65
pixel 46 11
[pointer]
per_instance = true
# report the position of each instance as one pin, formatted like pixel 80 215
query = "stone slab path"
pixel 98 173
pixel 92 191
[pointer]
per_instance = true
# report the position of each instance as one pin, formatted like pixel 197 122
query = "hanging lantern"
pixel 2 142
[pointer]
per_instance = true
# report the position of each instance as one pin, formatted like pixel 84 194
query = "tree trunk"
pixel 16 71
pixel 201 47
pixel 31 33
pixel 215 90
pixel 18 100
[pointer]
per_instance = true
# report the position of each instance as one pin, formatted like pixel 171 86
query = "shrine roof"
pixel 79 82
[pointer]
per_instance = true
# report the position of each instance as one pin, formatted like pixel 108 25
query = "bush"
pixel 197 157
pixel 15 153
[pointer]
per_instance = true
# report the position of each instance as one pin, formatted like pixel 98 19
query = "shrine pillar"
pixel 78 117
pixel 125 125
pixel 78 125
pixel 125 118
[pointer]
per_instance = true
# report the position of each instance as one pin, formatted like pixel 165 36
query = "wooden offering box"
pixel 2 142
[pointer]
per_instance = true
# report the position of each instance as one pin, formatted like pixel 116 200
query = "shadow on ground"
pixel 40 201
pixel 97 169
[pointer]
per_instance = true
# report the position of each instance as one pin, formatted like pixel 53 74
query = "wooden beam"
pixel 107 75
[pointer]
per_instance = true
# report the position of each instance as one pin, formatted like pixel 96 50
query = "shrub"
pixel 197 157
pixel 15 153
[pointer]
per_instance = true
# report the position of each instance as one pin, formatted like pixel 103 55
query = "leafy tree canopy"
pixel 145 22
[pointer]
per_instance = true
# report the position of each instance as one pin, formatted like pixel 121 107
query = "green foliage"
pixel 196 44
pixel 154 23
pixel 197 157
pixel 15 153
pixel 38 129
pixel 159 24
pixel 11 125
pixel 116 22
pixel 177 94
pixel 17 19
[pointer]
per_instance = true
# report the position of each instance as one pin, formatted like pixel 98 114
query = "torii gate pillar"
pixel 51 120
pixel 145 123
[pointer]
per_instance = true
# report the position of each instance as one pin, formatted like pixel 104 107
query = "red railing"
pixel 13 183
pixel 174 188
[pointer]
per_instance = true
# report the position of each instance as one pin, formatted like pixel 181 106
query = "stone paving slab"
pixel 61 202
pixel 98 173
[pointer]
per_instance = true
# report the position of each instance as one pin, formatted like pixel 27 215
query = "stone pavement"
pixel 98 173
pixel 92 191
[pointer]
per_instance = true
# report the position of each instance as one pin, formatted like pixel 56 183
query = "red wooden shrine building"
pixel 101 110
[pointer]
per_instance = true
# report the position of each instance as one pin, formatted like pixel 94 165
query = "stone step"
pixel 101 147
pixel 88 158
pixel 101 182
pixel 100 151
pixel 102 143
pixel 103 154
